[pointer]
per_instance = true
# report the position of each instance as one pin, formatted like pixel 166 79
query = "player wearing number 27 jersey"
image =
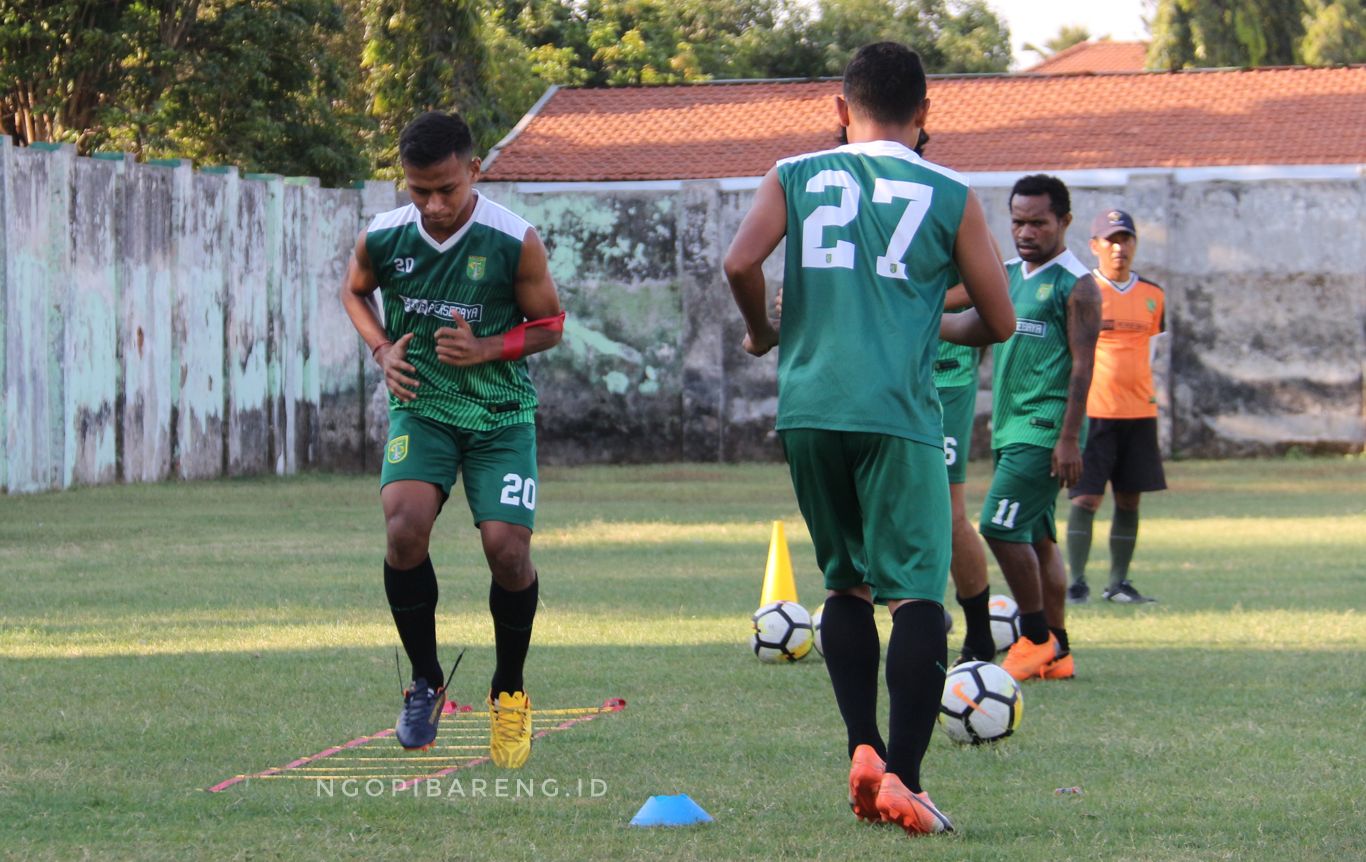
pixel 875 237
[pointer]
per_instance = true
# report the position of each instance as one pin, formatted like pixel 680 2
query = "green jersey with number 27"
pixel 870 235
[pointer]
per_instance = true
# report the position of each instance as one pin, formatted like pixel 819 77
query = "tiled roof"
pixel 1101 56
pixel 1280 116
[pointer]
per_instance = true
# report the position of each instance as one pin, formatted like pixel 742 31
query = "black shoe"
pixel 415 729
pixel 1078 593
pixel 967 654
pixel 1125 594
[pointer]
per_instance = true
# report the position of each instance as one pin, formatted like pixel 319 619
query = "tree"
pixel 1189 33
pixel 1068 35
pixel 257 83
pixel 1335 32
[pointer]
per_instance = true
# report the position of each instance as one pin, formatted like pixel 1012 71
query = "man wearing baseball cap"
pixel 1122 449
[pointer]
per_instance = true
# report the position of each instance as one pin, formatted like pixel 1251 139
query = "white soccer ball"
pixel 981 703
pixel 782 632
pixel 1005 621
pixel 816 629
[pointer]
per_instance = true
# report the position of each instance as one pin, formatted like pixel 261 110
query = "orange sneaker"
pixel 913 812
pixel 1059 668
pixel 865 777
pixel 1026 659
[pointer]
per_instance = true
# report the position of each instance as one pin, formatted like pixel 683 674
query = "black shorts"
pixel 1124 453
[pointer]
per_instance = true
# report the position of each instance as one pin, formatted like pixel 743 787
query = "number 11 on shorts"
pixel 1005 514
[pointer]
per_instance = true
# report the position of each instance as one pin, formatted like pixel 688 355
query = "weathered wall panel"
pixel 8 221
pixel 90 311
pixel 146 261
pixel 288 322
pixel 197 319
pixel 336 354
pixel 247 324
pixel 39 271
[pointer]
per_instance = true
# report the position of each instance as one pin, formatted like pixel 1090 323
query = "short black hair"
pixel 433 137
pixel 1059 201
pixel 886 81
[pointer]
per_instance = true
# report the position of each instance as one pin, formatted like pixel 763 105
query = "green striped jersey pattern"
pixel 870 234
pixel 955 365
pixel 425 283
pixel 1031 369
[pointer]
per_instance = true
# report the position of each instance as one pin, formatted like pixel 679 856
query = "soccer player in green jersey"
pixel 875 237
pixel 955 376
pixel 467 295
pixel 1040 378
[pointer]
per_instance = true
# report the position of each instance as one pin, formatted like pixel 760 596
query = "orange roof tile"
pixel 1280 116
pixel 1099 56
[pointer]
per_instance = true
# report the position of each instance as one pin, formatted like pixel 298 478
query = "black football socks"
pixel 1034 627
pixel 412 597
pixel 513 615
pixel 977 641
pixel 852 655
pixel 916 656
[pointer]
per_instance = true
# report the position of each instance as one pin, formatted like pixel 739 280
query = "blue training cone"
pixel 677 810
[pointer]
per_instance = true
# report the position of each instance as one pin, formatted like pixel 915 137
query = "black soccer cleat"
pixel 415 729
pixel 1078 593
pixel 1126 594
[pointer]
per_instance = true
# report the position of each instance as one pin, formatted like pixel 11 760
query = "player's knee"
pixel 509 561
pixel 408 538
pixel 1089 502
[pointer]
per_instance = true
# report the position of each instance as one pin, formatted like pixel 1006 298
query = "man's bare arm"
pixel 759 234
pixel 1083 327
pixel 358 298
pixel 992 316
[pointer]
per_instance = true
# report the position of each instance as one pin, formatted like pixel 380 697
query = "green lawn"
pixel 155 640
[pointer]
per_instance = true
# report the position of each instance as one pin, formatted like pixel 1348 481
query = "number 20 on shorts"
pixel 518 491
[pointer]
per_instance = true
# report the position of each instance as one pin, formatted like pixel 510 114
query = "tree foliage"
pixel 257 83
pixel 323 87
pixel 1192 33
pixel 1068 35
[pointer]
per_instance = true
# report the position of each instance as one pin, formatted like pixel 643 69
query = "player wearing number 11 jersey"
pixel 459 276
pixel 875 237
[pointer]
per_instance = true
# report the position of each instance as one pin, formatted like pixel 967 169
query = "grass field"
pixel 155 640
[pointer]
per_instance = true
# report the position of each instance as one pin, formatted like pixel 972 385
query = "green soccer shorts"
pixel 1019 506
pixel 960 408
pixel 877 507
pixel 499 466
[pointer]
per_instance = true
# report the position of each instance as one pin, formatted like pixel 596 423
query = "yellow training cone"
pixel 779 585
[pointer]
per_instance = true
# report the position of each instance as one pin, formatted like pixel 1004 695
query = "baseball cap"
pixel 1111 222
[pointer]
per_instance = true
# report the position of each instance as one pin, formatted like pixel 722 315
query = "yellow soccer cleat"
pixel 510 729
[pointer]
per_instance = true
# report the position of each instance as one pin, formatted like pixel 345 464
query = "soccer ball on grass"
pixel 782 632
pixel 981 703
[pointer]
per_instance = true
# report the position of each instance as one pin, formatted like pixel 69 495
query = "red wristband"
pixel 514 340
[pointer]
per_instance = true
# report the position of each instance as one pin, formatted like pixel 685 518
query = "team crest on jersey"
pixel 1152 305
pixel 397 449
pixel 1044 291
pixel 475 267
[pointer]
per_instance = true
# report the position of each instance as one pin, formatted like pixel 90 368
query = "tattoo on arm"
pixel 1083 327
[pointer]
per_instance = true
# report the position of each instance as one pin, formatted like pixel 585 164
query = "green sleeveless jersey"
pixel 870 235
pixel 424 284
pixel 955 365
pixel 1031 370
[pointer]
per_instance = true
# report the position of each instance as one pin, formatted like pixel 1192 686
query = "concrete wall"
pixel 158 322
pixel 1266 299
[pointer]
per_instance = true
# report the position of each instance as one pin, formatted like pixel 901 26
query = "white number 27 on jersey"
pixel 816 255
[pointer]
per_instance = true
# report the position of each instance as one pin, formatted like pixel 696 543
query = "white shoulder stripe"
pixel 394 218
pixel 804 156
pixel 949 173
pixel 1072 264
pixel 500 218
